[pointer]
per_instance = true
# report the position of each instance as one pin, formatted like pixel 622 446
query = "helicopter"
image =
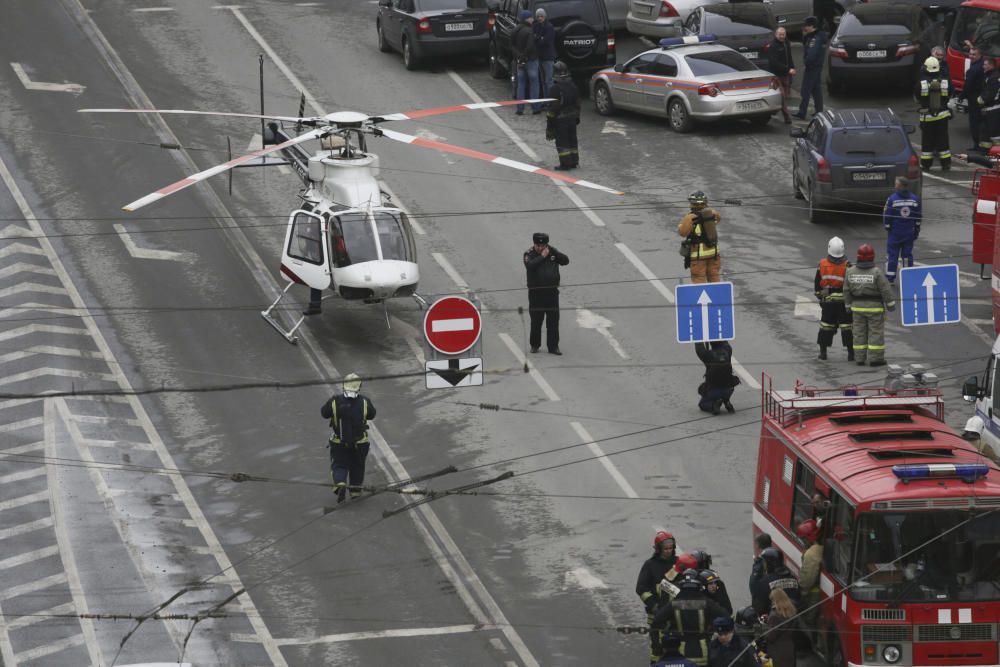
pixel 344 235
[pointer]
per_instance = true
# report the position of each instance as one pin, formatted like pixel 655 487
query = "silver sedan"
pixel 688 82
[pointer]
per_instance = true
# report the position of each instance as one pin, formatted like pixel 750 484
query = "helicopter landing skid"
pixel 421 301
pixel 289 335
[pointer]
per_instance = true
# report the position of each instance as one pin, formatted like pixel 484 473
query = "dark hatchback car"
pixel 744 27
pixel 850 159
pixel 421 29
pixel 584 40
pixel 881 42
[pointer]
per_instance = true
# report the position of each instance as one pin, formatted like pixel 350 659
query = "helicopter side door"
pixel 304 258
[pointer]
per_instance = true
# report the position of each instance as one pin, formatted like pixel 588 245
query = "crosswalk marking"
pixel 20 424
pixel 37 554
pixel 43 615
pixel 50 648
pixel 29 329
pixel 22 475
pixel 27 527
pixel 21 501
pixel 33 586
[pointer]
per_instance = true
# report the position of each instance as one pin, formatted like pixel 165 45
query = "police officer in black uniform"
pixel 542 262
pixel 349 413
pixel 563 116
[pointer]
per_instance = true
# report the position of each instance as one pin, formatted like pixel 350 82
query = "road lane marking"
pixel 580 204
pixel 612 469
pixel 153 9
pixel 370 634
pixel 450 270
pixel 588 319
pixel 532 371
pixel 26 81
pixel 668 295
pixel 20 268
pixel 435 536
pixel 581 577
pixel 144 253
pixel 807 308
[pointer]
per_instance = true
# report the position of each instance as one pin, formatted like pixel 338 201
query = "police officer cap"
pixel 811 21
pixel 724 624
pixel 540 238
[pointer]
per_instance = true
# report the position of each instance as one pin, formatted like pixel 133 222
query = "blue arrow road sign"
pixel 704 312
pixel 929 295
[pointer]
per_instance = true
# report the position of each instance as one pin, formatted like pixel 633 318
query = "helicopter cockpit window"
pixel 306 239
pixel 359 241
pixel 392 237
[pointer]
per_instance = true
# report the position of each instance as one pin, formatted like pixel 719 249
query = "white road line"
pixel 144 253
pixel 28 329
pixel 20 501
pixel 961 184
pixel 65 545
pixel 42 615
pixel 25 288
pixel 605 461
pixel 581 577
pixel 15 248
pixel 450 270
pixel 24 267
pixel 33 586
pixel 532 371
pixel 27 527
pixel 417 227
pixel 278 62
pixel 371 634
pixel 22 475
pixel 26 81
pixel 668 295
pixel 23 449
pixel 588 319
pixel 153 9
pixel 23 423
pixel 49 649
pixel 580 204
pixel 55 372
pixel 29 557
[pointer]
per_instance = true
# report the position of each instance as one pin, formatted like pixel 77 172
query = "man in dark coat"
pixel 781 65
pixel 974 78
pixel 563 117
pixel 542 263
pixel 349 413
pixel 813 54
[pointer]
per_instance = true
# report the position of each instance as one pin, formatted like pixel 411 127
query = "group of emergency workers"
pixel 691 619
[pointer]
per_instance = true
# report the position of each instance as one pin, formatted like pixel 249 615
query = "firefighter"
pixel 715 589
pixel 690 615
pixel 829 287
pixel 932 95
pixel 349 413
pixel 989 101
pixel 563 116
pixel 812 562
pixel 901 219
pixel 867 294
pixel 700 247
pixel 775 575
pixel 652 572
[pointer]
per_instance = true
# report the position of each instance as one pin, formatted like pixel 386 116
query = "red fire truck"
pixel 910 519
pixel 976 22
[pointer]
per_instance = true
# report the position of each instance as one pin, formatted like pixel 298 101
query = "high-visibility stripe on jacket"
pixel 831 274
pixel 934 100
pixel 691 226
pixel 335 436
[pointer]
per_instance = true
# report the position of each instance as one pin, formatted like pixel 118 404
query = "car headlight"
pixel 891 654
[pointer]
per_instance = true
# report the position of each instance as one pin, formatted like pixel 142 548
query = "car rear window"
pixel 435 5
pixel 868 141
pixel 876 24
pixel 729 26
pixel 718 62
pixel 585 10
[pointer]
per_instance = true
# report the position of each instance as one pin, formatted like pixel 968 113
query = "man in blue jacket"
pixel 901 219
pixel 813 52
pixel 545 42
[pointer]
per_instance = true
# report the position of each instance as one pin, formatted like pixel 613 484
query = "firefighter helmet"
pixel 690 581
pixel 866 253
pixel 685 562
pixel 698 200
pixel 703 558
pixel 661 537
pixel 835 248
pixel 709 577
pixel 352 385
pixel 808 530
pixel 932 65
pixel 772 559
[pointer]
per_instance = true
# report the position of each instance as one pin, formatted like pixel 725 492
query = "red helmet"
pixel 685 562
pixel 994 152
pixel 662 537
pixel 808 530
pixel 866 253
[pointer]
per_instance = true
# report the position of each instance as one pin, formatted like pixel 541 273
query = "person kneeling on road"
pixel 719 382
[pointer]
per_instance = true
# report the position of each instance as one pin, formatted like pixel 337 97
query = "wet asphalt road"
pixel 542 570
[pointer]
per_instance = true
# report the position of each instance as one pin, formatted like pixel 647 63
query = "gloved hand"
pixel 891 306
pixel 651 603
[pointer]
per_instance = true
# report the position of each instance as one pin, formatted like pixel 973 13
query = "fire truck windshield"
pixel 979 27
pixel 964 565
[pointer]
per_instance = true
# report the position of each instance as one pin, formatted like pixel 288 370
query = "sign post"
pixel 452 327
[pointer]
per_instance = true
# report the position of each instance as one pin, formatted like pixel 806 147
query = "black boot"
pixel 716 406
pixel 729 407
pixel 850 354
pixel 822 352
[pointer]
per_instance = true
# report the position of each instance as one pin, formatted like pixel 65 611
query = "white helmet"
pixel 973 428
pixel 932 65
pixel 835 248
pixel 352 385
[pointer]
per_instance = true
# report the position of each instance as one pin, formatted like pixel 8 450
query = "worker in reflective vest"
pixel 867 294
pixel 700 247
pixel 349 413
pixel 932 96
pixel 829 287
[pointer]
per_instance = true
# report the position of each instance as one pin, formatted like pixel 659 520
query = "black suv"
pixel 584 39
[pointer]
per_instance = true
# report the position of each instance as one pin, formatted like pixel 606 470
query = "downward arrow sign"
pixel 454 374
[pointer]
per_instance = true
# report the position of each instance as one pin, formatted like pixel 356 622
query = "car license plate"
pixel 750 106
pixel 871 54
pixel 752 55
pixel 868 176
pixel 457 27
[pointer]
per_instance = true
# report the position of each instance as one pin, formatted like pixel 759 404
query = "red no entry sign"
pixel 452 325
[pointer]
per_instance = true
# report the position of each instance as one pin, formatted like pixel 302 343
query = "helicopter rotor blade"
pixel 495 159
pixel 218 169
pixel 290 119
pixel 423 113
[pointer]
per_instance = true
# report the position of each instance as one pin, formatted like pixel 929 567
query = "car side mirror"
pixel 910 129
pixel 797 132
pixel 971 390
pixel 619 67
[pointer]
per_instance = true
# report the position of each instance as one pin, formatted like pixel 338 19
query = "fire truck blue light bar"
pixel 690 39
pixel 926 470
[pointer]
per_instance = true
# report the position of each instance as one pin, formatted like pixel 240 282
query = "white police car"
pixel 688 79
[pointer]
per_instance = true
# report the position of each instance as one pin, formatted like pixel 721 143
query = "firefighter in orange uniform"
pixel 829 288
pixel 700 247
